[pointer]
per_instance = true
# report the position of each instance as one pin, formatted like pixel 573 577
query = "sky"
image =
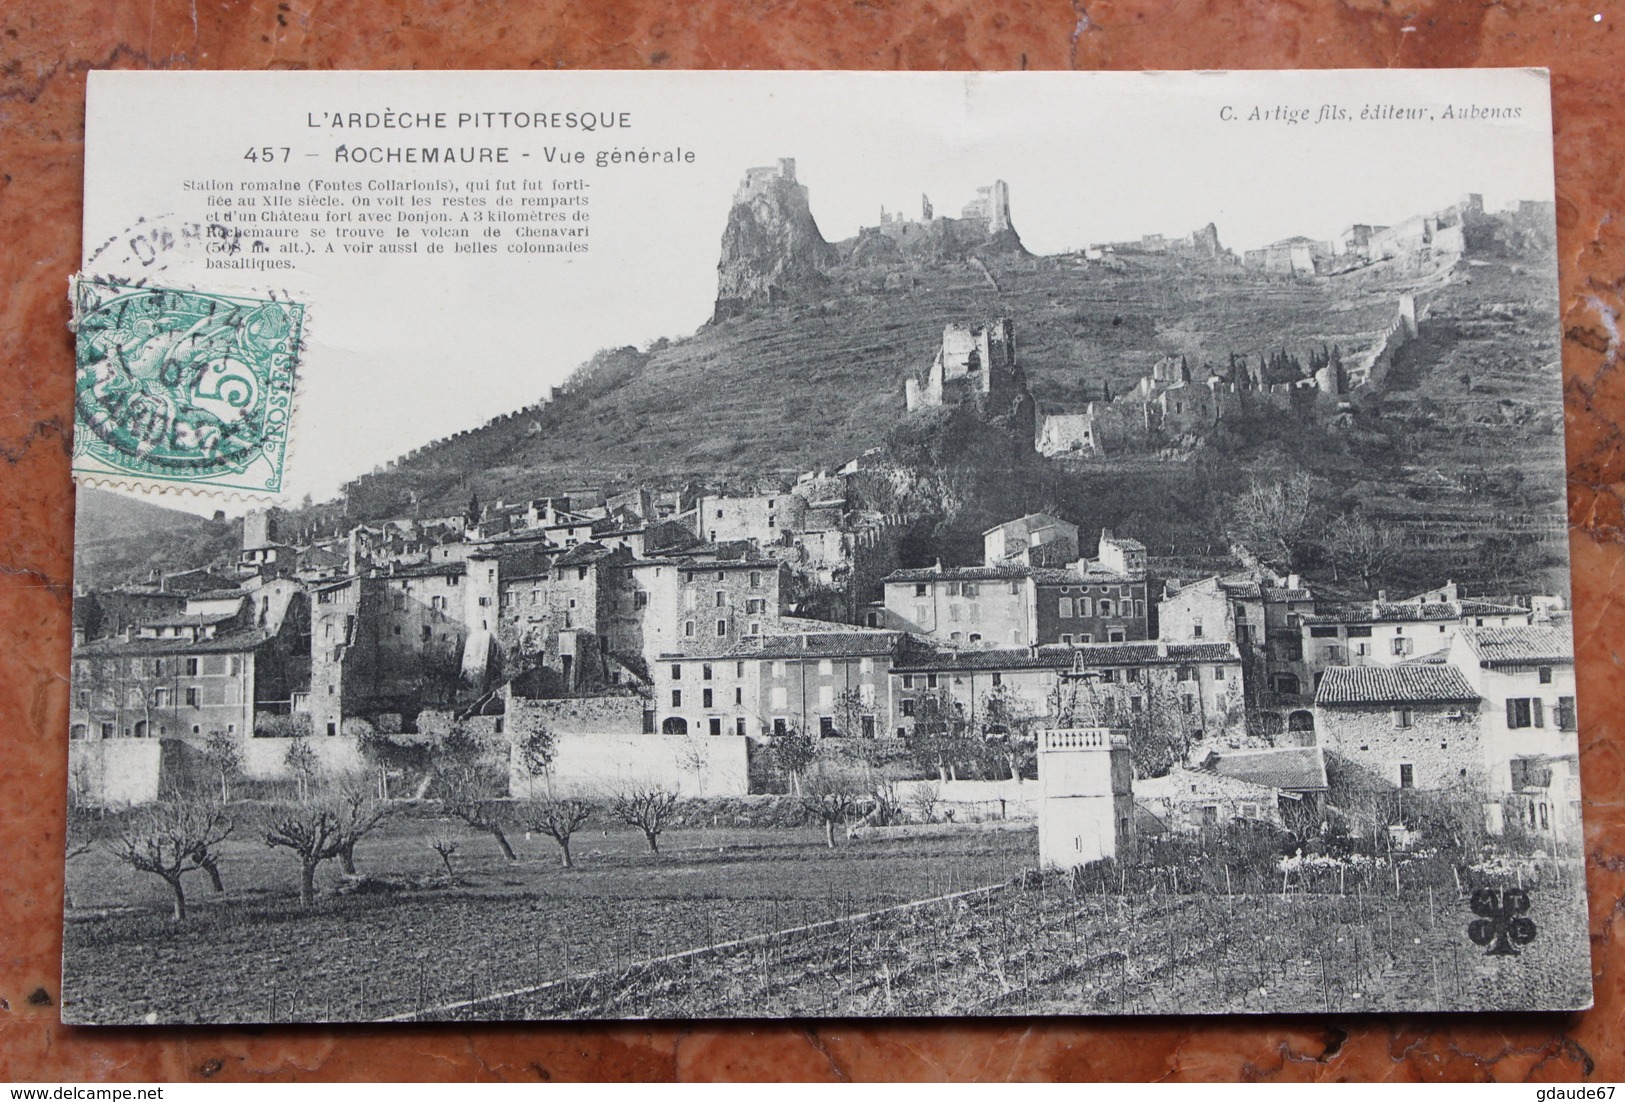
pixel 403 350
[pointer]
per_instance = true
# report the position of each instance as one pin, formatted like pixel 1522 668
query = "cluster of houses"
pixel 1255 682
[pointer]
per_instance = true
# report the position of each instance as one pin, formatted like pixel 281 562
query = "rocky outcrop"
pixel 772 249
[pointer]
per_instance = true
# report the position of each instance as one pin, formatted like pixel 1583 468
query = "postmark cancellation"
pixel 183 388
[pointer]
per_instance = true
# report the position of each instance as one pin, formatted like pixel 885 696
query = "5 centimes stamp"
pixel 183 387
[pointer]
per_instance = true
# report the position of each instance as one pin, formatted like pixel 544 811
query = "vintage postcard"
pixel 625 545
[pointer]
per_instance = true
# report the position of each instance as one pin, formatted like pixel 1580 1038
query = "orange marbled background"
pixel 45 49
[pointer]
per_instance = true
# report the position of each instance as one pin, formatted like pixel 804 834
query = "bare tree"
pixel 1365 547
pixel 446 847
pixel 831 795
pixel 171 839
pixel 537 748
pixel 303 763
pixel 225 757
pixel 359 813
pixel 646 805
pixel 559 819
pixel 924 801
pixel 794 752
pixel 1276 519
pixel 313 833
pixel 467 797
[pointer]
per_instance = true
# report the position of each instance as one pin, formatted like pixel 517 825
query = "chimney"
pixel 1294 581
pixel 1162 648
pixel 1382 596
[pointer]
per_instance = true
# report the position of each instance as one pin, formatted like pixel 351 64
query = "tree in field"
pixel 537 747
pixel 171 839
pixel 225 757
pixel 1364 547
pixel 850 708
pixel 359 814
pixel 1277 520
pixel 311 832
pixel 831 795
pixel 940 740
pixel 468 771
pixel 646 805
pixel 1010 724
pixel 559 820
pixel 467 795
pixel 303 763
pixel 446 847
pixel 794 752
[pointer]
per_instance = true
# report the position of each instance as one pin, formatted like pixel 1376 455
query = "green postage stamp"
pixel 183 387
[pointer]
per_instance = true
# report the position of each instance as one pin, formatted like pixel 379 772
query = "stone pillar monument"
pixel 1086 796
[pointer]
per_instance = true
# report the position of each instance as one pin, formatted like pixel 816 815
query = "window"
pixel 1132 673
pixel 756 579
pixel 1196 629
pixel 722 599
pixel 1085 606
pixel 908 706
pixel 739 696
pixel 640 600
pixel 83 698
pixel 1066 608
pixel 1359 631
pixel 1218 673
pixel 920 589
pixel 867 726
pixel 1115 635
pixel 1407 775
pixel 192 698
pixel 1545 673
pixel 908 681
pixel 1566 720
pixel 1105 608
pixel 1323 633
pixel 1108 677
pixel 998 679
pixel 677 698
pixel 930 680
pixel 826 726
pixel 688 628
pixel 706 699
pixel 780 728
pixel 739 669
pixel 1135 703
pixel 1401 646
pixel 705 672
pixel 1067 639
pixel 722 628
pixel 1403 717
pixel 676 672
pixel 755 606
pixel 1186 673
pixel 160 698
pixel 191 670
pixel 1187 704
pixel 1525 712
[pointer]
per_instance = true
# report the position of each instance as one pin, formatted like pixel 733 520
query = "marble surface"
pixel 46 46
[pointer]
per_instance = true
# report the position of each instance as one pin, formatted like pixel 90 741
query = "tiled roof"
pixel 1003 571
pixel 1491 608
pixel 1290 768
pixel 812 644
pixel 1085 655
pixel 1094 574
pixel 425 570
pixel 1520 646
pixel 1406 684
pixel 236 643
pixel 1379 612
pixel 1281 593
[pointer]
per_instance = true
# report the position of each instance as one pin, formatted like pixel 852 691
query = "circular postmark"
pixel 183 385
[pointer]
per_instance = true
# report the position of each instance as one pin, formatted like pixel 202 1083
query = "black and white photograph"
pixel 819 545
